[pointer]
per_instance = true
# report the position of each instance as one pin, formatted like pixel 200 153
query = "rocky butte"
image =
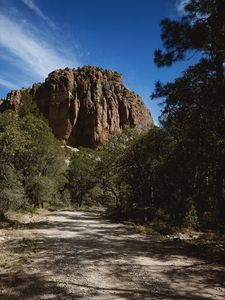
pixel 85 105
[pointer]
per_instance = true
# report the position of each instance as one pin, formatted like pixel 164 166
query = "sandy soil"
pixel 79 255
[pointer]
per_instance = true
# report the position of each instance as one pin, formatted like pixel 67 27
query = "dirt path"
pixel 78 255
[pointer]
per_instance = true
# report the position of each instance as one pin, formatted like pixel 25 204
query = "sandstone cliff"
pixel 85 105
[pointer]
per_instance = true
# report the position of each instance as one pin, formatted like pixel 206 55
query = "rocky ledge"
pixel 85 105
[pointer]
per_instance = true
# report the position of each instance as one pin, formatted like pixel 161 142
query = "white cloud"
pixel 180 4
pixel 8 84
pixel 33 6
pixel 34 55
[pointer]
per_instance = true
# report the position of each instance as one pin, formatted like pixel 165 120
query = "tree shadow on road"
pixel 84 244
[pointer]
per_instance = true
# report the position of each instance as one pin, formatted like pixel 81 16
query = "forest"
pixel 174 173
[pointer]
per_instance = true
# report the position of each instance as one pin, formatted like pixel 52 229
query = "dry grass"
pixel 12 257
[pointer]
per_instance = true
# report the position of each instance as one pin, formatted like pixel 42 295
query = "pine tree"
pixel 195 103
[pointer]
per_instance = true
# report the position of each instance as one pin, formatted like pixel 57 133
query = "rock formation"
pixel 14 99
pixel 85 105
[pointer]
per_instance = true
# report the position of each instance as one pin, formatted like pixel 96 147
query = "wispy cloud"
pixel 8 84
pixel 180 5
pixel 32 53
pixel 30 4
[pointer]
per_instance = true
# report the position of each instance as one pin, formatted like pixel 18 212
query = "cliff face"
pixel 13 99
pixel 85 105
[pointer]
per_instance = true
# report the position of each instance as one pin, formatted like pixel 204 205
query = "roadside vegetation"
pixel 32 172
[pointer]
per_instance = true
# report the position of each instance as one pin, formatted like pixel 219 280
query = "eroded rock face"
pixel 14 99
pixel 85 105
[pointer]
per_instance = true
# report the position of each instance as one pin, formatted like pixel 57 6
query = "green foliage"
pixel 43 162
pixel 28 106
pixel 191 216
pixel 194 107
pixel 13 141
pixel 12 144
pixel 93 174
pixel 12 193
pixel 32 162
pixel 201 29
pixel 144 168
pixel 81 177
pixel 42 189
pixel 109 167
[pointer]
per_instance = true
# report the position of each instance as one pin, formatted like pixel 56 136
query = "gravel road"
pixel 80 255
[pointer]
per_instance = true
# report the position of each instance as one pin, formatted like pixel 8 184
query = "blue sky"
pixel 38 36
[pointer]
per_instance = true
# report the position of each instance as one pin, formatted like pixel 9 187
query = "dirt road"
pixel 79 255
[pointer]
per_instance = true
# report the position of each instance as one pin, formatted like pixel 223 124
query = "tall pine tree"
pixel 195 103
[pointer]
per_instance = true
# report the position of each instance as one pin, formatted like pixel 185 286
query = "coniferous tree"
pixel 195 104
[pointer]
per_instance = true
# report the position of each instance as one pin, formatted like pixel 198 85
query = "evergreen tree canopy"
pixel 194 103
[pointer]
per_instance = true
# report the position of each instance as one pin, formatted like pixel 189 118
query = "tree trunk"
pixel 80 200
pixel 2 216
pixel 220 188
pixel 117 198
